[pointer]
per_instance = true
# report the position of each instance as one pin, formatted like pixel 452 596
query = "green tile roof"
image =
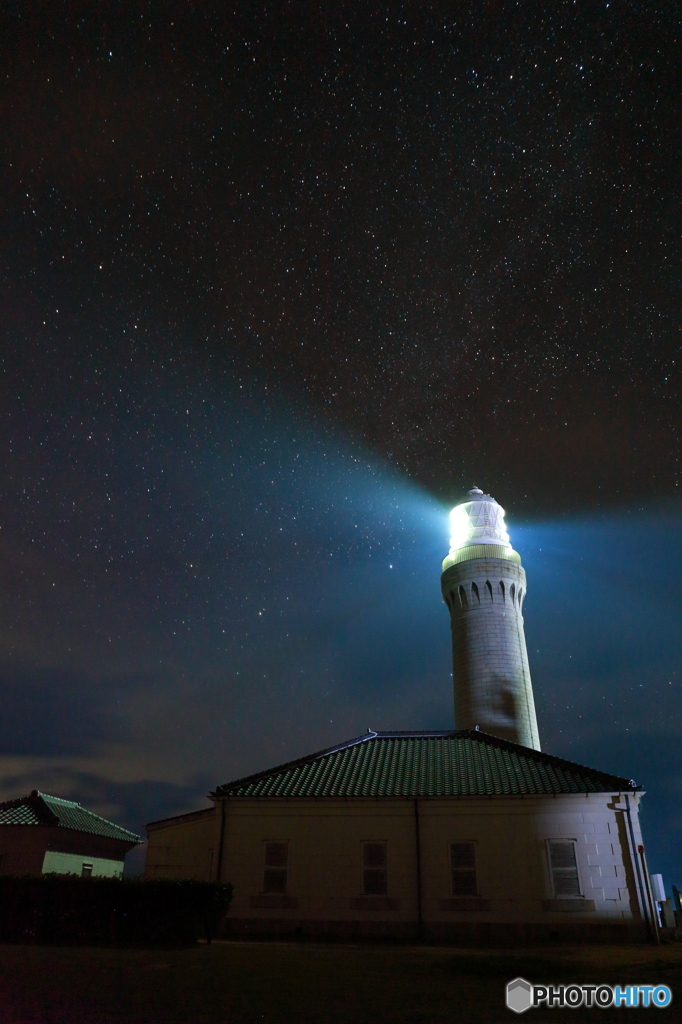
pixel 43 809
pixel 425 764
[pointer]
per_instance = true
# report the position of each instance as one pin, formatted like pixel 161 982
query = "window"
pixel 86 870
pixel 564 868
pixel 276 862
pixel 374 873
pixel 463 869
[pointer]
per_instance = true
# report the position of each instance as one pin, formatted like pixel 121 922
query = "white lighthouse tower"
pixel 484 586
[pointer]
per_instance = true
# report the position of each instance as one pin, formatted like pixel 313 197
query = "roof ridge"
pixel 106 821
pixel 287 765
pixel 418 733
pixel 58 799
pixel 543 755
pixel 74 805
pixel 66 814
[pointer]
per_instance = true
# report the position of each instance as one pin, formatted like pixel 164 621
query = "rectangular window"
pixel 463 869
pixel 374 869
pixel 564 868
pixel 86 870
pixel 276 865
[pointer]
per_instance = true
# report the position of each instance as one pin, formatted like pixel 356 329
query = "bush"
pixel 70 910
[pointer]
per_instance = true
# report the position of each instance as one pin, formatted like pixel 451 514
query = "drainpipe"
pixel 221 842
pixel 652 905
pixel 419 866
pixel 638 872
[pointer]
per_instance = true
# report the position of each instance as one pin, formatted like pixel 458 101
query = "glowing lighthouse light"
pixel 479 520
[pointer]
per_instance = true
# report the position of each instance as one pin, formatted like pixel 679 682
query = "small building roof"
pixel 425 764
pixel 43 809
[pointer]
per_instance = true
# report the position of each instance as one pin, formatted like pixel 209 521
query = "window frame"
pixel 574 843
pixel 265 891
pixel 451 870
pixel 364 869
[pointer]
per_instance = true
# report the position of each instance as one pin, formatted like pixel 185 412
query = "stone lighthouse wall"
pixel 490 663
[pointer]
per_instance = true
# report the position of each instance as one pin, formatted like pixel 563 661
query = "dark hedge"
pixel 70 910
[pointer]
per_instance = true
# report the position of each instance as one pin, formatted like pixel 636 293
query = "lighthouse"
pixel 484 587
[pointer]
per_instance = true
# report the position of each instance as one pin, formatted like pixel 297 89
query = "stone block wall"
pixel 490 662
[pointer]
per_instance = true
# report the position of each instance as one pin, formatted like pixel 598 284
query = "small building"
pixel 459 836
pixel 42 834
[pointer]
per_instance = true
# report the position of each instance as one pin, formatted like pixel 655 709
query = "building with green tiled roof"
pixel 456 834
pixel 40 834
pixel 471 835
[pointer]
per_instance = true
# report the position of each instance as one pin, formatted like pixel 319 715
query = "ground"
pixel 306 983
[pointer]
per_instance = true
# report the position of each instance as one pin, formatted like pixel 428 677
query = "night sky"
pixel 278 285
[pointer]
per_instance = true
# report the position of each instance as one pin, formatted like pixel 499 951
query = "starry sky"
pixel 278 284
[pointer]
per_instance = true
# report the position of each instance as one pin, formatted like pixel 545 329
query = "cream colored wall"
pixel 184 847
pixel 325 864
pixel 72 864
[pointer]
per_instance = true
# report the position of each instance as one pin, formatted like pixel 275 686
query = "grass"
pixel 306 983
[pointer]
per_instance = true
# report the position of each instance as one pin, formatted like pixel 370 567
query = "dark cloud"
pixel 52 711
